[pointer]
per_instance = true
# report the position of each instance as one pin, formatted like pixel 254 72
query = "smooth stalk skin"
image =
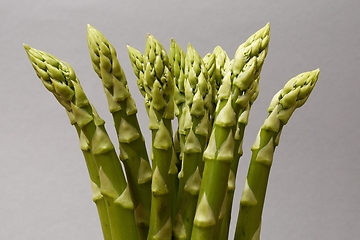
pixel 294 94
pixel 194 132
pixel 98 198
pixel 233 96
pixel 158 85
pixel 131 141
pixel 240 131
pixel 60 79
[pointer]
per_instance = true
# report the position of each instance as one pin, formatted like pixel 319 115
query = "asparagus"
pixel 122 106
pixel 294 94
pixel 158 85
pixel 137 62
pixel 255 49
pixel 45 75
pixel 60 79
pixel 177 62
pixel 98 198
pixel 212 98
pixel 222 65
pixel 193 130
pixel 241 124
pixel 234 95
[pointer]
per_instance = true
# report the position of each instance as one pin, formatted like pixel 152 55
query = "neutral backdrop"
pixel 314 186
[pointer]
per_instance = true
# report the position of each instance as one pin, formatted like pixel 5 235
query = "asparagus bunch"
pixel 185 191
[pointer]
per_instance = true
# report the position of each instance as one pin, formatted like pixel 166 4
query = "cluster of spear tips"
pixel 185 189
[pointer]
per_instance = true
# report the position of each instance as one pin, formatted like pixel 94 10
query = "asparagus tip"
pixel 27 47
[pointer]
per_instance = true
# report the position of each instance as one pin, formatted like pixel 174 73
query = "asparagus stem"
pixel 37 59
pixel 122 106
pixel 98 198
pixel 292 96
pixel 239 135
pixel 233 96
pixel 60 79
pixel 255 50
pixel 194 132
pixel 157 84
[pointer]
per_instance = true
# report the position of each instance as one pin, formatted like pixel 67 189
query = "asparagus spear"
pixel 177 62
pixel 294 94
pixel 60 79
pixel 158 87
pixel 122 106
pixel 194 132
pixel 241 124
pixel 45 75
pixel 233 96
pixel 255 49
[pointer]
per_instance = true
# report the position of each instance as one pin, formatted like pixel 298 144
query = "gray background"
pixel 313 191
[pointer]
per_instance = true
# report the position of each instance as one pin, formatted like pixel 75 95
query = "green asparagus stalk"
pixel 233 96
pixel 45 74
pixel 177 62
pixel 122 106
pixel 241 124
pixel 60 79
pixel 98 198
pixel 194 130
pixel 158 84
pixel 294 94
pixel 255 49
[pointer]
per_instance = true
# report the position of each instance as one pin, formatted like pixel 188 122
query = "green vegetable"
pixel 131 141
pixel 158 89
pixel 193 132
pixel 186 190
pixel 294 94
pixel 60 79
pixel 233 96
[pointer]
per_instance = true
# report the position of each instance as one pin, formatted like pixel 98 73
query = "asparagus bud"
pixel 222 65
pixel 137 62
pixel 292 96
